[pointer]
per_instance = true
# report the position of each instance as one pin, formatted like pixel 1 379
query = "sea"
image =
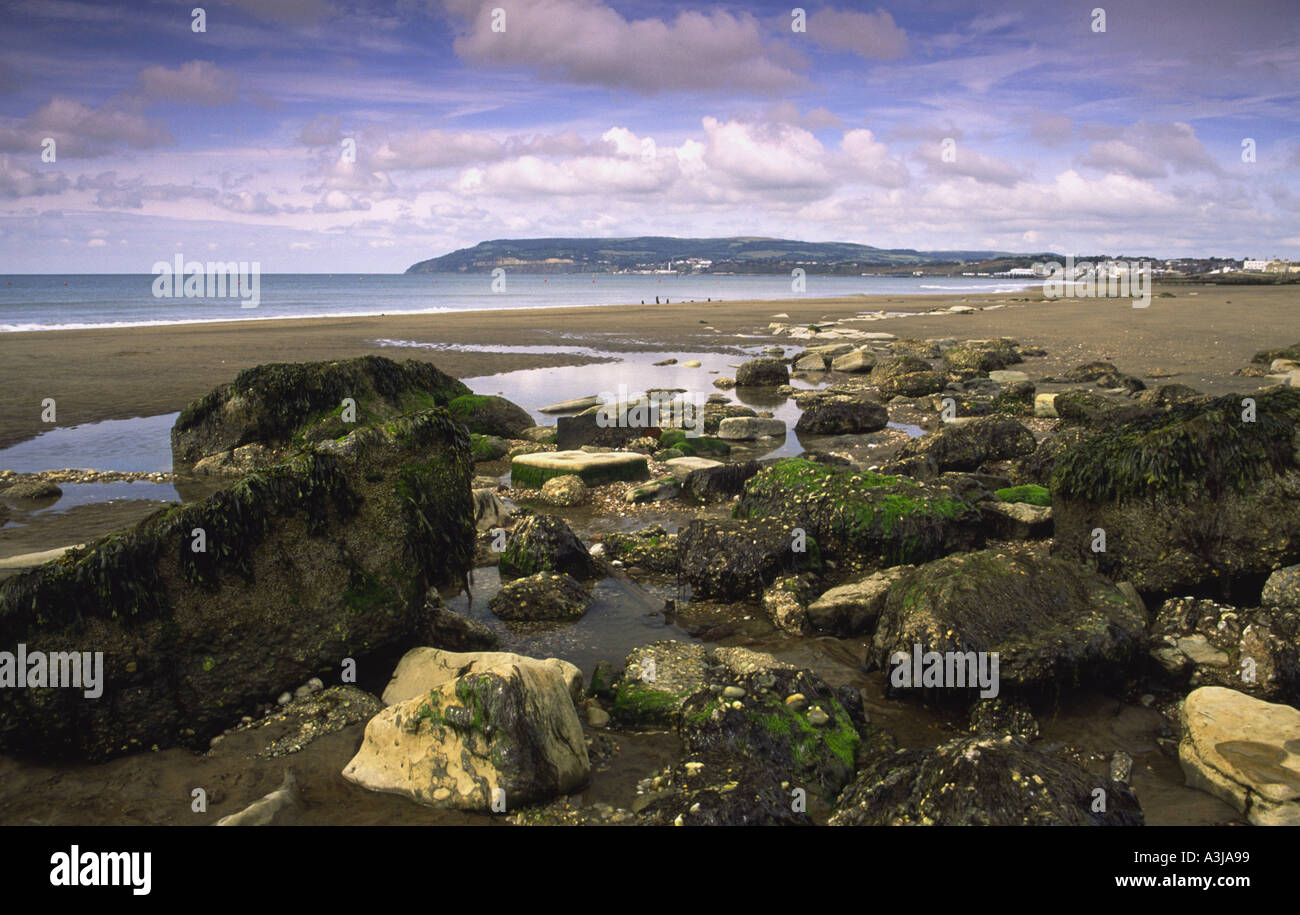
pixel 39 302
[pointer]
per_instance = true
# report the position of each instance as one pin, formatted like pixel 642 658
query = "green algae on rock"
pixel 876 519
pixel 326 557
pixel 291 404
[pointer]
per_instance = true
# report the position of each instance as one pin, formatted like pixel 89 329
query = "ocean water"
pixel 31 302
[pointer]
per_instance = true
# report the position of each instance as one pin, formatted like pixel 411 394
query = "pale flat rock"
pixel 1008 376
pixel 270 809
pixel 746 428
pixel 682 467
pixel 31 560
pixel 855 361
pixel 577 405
pixel 490 741
pixel 1045 406
pixel 423 669
pixel 853 608
pixel 1244 751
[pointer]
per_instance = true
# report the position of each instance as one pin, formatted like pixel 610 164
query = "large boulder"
pixel 492 740
pixel 544 543
pixel 487 414
pixel 979 357
pixel 1244 751
pixel 982 781
pixel 971 445
pixel 1190 498
pixel 423 669
pixel 1053 624
pixel 842 416
pixel 286 405
pixel 873 519
pixel 715 484
pixel 206 611
pixel 657 680
pixel 735 559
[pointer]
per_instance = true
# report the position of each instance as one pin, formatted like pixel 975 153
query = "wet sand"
pixel 1203 334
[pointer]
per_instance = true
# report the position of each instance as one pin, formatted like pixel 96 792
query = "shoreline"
pixel 1196 336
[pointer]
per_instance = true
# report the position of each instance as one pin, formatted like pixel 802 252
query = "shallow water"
pixel 141 444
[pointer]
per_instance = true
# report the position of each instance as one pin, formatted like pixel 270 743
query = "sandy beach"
pixel 1199 336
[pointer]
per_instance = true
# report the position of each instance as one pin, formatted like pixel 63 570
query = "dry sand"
pixel 1203 334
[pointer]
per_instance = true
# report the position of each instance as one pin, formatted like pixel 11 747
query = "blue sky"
pixel 593 117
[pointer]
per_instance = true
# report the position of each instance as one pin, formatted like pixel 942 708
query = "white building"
pixel 1255 265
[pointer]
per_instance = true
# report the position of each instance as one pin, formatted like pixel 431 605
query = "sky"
pixel 323 135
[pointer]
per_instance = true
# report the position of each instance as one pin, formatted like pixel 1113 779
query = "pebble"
pixel 818 718
pixel 315 684
pixel 284 699
pixel 796 702
pixel 302 692
pixel 597 717
pixel 734 692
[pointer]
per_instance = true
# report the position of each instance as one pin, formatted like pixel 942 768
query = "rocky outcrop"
pixel 1244 751
pixel 491 741
pixel 282 406
pixel 206 611
pixel 983 781
pixel 1195 496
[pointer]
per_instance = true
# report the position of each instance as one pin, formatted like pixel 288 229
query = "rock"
pixel 683 467
pixel 1016 520
pixel 274 809
pixel 276 404
pixel 297 724
pixel 1167 395
pixel 748 428
pixel 490 510
pixel 533 470
pixel 1008 377
pixel 610 425
pixel 544 543
pixel 782 605
pixel 1244 751
pixel 981 781
pixel 811 362
pixel 719 790
pixel 907 376
pixel 1188 498
pixel 597 717
pixel 544 596
pixel 507 734
pixel 731 559
pixel 31 560
pixel 762 373
pixel 1054 624
pixel 577 405
pixel 842 417
pixel 1101 374
pixel 691 364
pixel 1003 715
pixel 980 357
pixel 875 519
pixel 1282 589
pixel 712 484
pixel 456 632
pixel 309 562
pixel 853 608
pixel 423 669
pixel 657 680
pixel 857 361
pixel 542 435
pixel 1045 406
pixel 724 382
pixel 565 491
pixel 650 548
pixel 32 490
pixel 488 414
pixel 971 445
pixel 1211 644
pixel 487 447
pixel 654 491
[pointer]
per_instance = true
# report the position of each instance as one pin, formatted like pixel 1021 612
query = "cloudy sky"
pixel 324 135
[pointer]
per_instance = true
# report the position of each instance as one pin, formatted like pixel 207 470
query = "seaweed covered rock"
pixel 657 680
pixel 507 736
pixel 1282 589
pixel 1196 496
pixel 544 543
pixel 842 416
pixel 1054 624
pixel 979 357
pixel 206 611
pixel 971 445
pixel 1101 374
pixel 768 373
pixel 737 559
pixel 543 596
pixel 487 414
pixel 719 790
pixel 1200 642
pixel 982 781
pixel 291 404
pixel 786 717
pixel 715 484
pixel 876 520
pixel 651 548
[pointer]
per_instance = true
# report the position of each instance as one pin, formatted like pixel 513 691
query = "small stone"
pixel 284 699
pixel 315 684
pixel 302 692
pixel 818 718
pixel 597 717
pixel 796 702
pixel 734 692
